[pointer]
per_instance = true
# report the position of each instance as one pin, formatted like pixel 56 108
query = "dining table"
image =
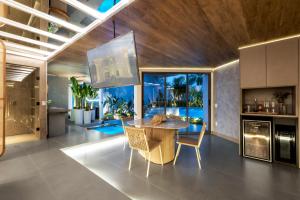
pixel 164 132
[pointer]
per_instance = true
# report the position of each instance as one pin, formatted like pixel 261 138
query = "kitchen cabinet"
pixel 253 67
pixel 282 63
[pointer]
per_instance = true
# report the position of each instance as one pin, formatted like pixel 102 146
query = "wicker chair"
pixel 190 142
pixel 137 140
pixel 124 121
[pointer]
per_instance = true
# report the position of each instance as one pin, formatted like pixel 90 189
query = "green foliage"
pixel 196 98
pixel 77 93
pixel 81 93
pixel 119 106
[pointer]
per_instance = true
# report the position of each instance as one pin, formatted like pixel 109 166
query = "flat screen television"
pixel 114 64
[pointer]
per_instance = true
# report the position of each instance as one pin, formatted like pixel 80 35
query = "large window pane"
pixel 154 95
pixel 176 95
pixel 185 95
pixel 198 101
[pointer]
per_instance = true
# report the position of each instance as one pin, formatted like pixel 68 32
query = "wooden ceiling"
pixel 191 32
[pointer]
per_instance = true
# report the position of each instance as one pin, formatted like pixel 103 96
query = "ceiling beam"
pixel 84 8
pixel 33 30
pixel 111 12
pixel 28 40
pixel 42 15
pixel 26 48
pixel 25 55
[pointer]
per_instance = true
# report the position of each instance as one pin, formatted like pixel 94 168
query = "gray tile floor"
pixel 40 170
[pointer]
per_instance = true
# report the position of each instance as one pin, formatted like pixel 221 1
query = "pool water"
pixel 110 130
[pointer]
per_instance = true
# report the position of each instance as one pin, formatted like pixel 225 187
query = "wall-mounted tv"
pixel 114 64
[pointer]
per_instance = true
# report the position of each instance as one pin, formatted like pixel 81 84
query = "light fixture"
pixel 26 48
pixel 119 6
pixel 25 55
pixel 32 29
pixel 270 41
pixel 42 15
pixel 84 8
pixel 28 40
pixel 226 64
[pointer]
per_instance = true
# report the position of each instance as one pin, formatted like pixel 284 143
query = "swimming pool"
pixel 111 127
pixel 110 130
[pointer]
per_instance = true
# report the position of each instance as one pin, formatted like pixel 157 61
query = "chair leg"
pixel 148 167
pixel 161 158
pixel 129 167
pixel 177 153
pixel 124 143
pixel 198 156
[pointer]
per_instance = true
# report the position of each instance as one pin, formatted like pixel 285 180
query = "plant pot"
pixel 72 117
pixel 78 116
pixel 87 119
pixel 93 115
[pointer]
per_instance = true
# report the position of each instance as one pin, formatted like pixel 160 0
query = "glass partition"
pixel 181 94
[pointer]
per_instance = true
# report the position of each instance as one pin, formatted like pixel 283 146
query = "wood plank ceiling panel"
pixel 191 32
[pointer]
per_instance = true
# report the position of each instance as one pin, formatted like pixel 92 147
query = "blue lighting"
pixel 106 5
pixel 110 130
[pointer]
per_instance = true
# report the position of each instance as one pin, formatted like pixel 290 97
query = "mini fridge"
pixel 257 139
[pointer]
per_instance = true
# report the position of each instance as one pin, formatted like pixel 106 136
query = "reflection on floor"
pixel 40 170
pixel 15 139
pixel 225 175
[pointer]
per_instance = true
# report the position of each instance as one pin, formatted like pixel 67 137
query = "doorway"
pixel 22 103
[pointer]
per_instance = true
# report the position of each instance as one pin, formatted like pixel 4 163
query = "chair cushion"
pixel 187 141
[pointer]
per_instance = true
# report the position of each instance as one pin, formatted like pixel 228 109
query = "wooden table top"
pixel 169 124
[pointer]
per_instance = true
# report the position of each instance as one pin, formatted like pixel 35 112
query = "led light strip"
pixel 26 48
pixel 269 41
pixel 32 29
pixel 226 64
pixel 84 8
pixel 42 15
pixel 25 55
pixel 28 40
pixel 114 10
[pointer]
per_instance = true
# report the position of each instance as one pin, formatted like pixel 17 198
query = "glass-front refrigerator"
pixel 257 139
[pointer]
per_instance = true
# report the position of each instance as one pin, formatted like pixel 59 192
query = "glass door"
pixel 176 95
pixel 153 95
pixel 181 94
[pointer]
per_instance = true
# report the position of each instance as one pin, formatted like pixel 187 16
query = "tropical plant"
pixel 179 89
pixel 77 92
pixel 196 98
pixel 111 102
pixel 93 94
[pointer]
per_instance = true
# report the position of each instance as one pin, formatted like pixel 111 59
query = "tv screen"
pixel 114 64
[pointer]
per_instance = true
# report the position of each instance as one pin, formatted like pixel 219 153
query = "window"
pixel 185 95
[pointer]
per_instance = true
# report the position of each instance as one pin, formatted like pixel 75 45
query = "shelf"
pixel 269 115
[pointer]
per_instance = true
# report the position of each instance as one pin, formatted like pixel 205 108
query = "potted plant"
pixel 87 114
pixel 92 95
pixel 77 109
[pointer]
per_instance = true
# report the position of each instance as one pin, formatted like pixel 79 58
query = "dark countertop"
pixel 54 110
